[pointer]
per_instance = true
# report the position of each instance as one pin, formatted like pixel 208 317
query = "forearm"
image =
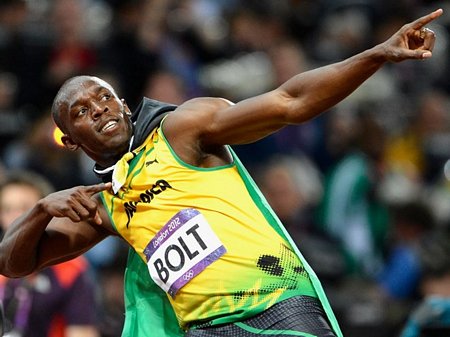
pixel 313 92
pixel 19 248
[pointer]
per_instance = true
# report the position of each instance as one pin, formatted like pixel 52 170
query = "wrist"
pixel 41 209
pixel 378 55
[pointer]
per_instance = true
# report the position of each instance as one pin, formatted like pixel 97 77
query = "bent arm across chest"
pixel 37 239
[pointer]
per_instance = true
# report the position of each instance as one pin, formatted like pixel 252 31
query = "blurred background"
pixel 363 189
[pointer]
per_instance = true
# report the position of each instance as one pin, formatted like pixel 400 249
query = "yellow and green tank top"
pixel 207 236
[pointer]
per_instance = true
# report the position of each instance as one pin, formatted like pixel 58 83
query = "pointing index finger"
pixel 426 19
pixel 93 189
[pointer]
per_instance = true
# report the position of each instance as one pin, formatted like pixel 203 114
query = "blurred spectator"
pixel 71 50
pixel 57 301
pixel 112 302
pixel 248 23
pixel 337 37
pixel 438 197
pixel 288 58
pixel 402 272
pixel 431 317
pixel 141 43
pixel 39 152
pixel 13 121
pixel 420 150
pixel 351 211
pixel 23 53
pixel 293 187
pixel 123 53
pixel 166 86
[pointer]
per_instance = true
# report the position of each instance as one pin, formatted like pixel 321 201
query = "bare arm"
pixel 213 122
pixel 59 227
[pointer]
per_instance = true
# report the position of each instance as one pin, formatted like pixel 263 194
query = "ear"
pixel 125 107
pixel 69 143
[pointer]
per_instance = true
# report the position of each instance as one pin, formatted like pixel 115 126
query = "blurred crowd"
pixel 363 189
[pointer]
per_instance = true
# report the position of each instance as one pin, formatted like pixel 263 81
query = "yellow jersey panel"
pixel 205 240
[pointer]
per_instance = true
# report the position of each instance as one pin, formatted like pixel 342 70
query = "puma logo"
pixel 151 162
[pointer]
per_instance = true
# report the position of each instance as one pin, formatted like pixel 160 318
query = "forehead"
pixel 84 86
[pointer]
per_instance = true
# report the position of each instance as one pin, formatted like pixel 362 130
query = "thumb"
pixel 97 218
pixel 425 54
pixel 417 54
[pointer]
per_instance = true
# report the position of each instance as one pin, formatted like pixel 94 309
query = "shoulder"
pixel 194 115
pixel 211 101
pixel 203 105
pixel 187 129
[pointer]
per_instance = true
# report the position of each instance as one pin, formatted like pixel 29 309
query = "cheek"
pixel 82 131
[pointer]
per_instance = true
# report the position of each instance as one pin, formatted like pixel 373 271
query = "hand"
pixel 76 203
pixel 413 40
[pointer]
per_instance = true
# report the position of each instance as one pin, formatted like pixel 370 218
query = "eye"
pixel 105 97
pixel 82 111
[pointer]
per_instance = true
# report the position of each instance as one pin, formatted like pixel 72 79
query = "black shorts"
pixel 300 316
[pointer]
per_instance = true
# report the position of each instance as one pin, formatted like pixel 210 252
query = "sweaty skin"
pixel 93 118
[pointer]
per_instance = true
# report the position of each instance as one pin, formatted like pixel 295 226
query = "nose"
pixel 98 110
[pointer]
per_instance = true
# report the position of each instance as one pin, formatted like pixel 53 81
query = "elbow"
pixel 12 269
pixel 12 273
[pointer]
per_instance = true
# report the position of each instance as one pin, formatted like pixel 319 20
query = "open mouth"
pixel 109 125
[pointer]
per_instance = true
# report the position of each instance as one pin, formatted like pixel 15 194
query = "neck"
pixel 111 159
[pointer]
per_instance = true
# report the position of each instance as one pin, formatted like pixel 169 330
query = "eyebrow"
pixel 96 90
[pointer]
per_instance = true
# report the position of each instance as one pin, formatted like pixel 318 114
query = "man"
pixel 54 302
pixel 207 250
